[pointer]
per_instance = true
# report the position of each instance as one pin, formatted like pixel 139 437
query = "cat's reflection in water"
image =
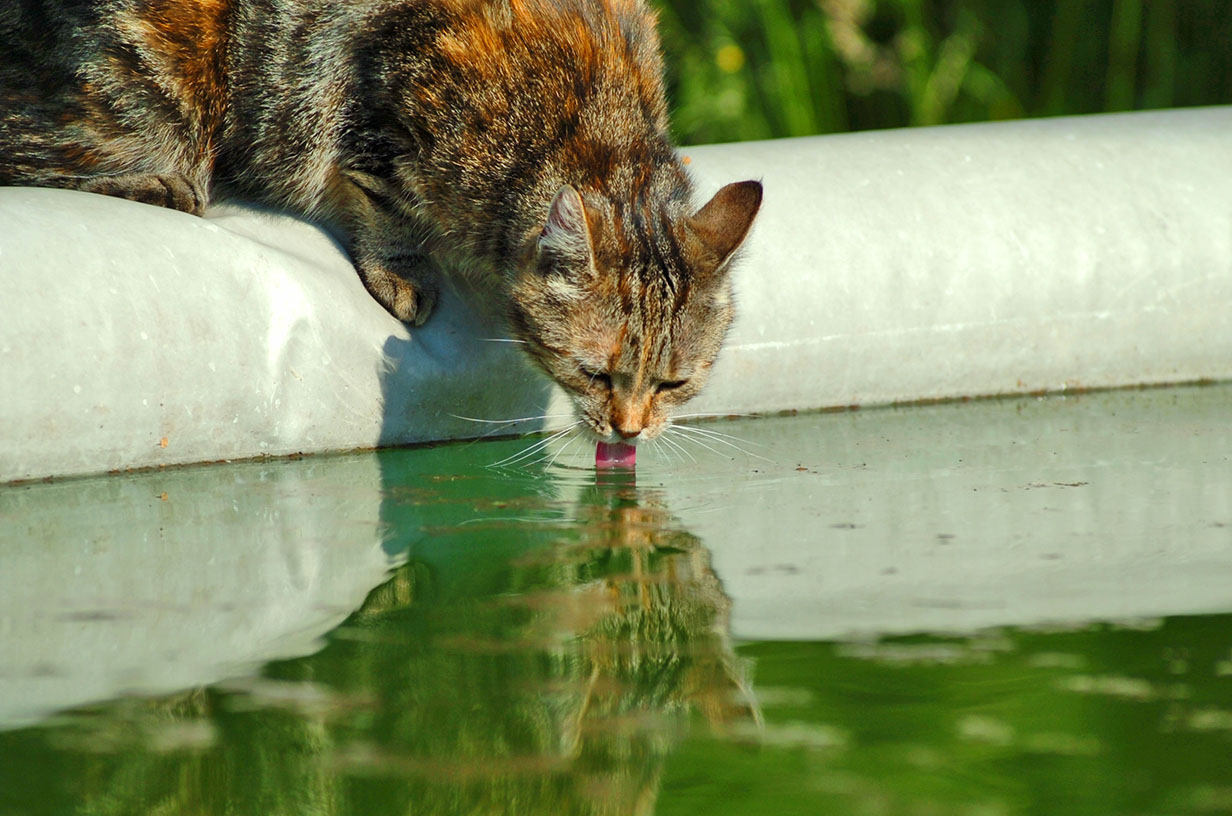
pixel 556 680
pixel 645 617
pixel 564 687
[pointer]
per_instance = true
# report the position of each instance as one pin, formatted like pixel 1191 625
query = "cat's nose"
pixel 628 433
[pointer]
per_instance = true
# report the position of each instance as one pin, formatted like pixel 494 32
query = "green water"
pixel 1000 608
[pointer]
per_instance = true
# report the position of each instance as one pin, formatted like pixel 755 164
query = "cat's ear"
pixel 723 222
pixel 565 234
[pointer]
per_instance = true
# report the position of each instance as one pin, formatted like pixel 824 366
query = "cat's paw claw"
pixel 409 300
pixel 412 304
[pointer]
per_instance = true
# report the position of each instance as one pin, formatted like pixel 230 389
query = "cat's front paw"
pixel 175 191
pixel 413 302
pixel 410 299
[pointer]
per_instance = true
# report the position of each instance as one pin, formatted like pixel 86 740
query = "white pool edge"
pixel 893 266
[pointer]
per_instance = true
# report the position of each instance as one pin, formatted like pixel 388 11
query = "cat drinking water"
pixel 524 138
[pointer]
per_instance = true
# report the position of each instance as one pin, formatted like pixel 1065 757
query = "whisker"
pixel 723 439
pixel 659 446
pixel 722 414
pixel 719 434
pixel 503 424
pixel 574 441
pixel 534 456
pixel 501 340
pixel 544 450
pixel 676 445
pixel 700 443
pixel 563 448
pixel 522 454
pixel 510 421
pixel 534 448
pixel 683 451
pixel 693 433
pixel 485 435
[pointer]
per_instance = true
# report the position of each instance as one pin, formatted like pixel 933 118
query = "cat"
pixel 525 138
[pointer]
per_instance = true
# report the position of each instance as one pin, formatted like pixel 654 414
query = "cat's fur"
pixel 524 137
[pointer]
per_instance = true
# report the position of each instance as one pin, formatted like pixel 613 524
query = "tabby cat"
pixel 527 138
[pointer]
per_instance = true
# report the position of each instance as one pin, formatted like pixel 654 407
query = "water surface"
pixel 1013 607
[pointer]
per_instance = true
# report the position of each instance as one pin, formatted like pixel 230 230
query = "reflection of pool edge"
pixel 961 516
pixel 175 579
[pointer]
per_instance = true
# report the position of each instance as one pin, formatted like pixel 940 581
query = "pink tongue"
pixel 614 455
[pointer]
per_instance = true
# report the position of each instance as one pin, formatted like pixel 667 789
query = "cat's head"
pixel 626 308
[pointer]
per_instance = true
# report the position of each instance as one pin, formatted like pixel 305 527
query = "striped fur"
pixel 525 138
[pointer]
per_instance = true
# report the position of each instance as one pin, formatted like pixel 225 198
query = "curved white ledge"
pixel 887 266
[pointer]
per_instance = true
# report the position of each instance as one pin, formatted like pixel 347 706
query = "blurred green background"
pixel 758 69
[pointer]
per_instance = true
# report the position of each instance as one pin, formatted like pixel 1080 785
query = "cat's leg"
pixel 174 191
pixel 38 150
pixel 402 279
pixel 41 159
pixel 386 243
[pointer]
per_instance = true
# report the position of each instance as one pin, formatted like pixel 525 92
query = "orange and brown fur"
pixel 527 138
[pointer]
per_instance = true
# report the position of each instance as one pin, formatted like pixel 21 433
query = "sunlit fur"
pixel 632 319
pixel 432 133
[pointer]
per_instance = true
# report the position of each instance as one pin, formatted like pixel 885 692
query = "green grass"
pixel 770 68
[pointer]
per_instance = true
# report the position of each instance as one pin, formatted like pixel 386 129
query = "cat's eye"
pixel 599 377
pixel 670 385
